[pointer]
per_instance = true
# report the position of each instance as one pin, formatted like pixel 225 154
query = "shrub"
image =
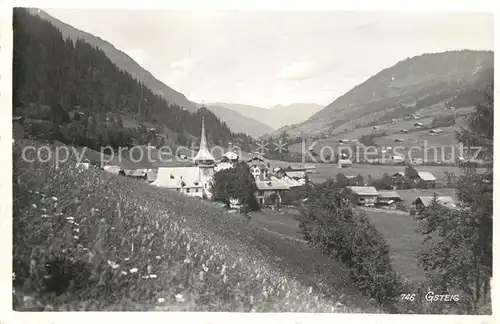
pixel 329 223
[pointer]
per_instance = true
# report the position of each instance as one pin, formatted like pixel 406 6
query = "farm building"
pixel 436 131
pixel 376 127
pixel 343 141
pixel 365 196
pixel 399 140
pixel 404 131
pixel 269 190
pixel 345 163
pixel 428 178
pixel 388 198
pixel 425 201
pixel 418 125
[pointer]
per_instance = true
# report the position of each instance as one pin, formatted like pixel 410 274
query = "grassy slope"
pixel 136 225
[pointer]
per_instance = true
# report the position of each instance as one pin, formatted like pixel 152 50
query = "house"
pixel 342 141
pixel 137 174
pixel 435 131
pixel 230 157
pixel 404 131
pixel 345 163
pixel 376 127
pixel 113 169
pixel 187 180
pixel 388 198
pixel 397 159
pixel 269 190
pixel 399 140
pixel 428 178
pixel 365 196
pixel 425 201
pixel 418 125
pixel 352 180
pixel 193 181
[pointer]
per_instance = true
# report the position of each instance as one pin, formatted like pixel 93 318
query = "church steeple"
pixel 203 156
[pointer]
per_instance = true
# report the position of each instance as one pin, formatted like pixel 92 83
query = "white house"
pixel 193 181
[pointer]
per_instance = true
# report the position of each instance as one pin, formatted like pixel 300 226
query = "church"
pixel 193 181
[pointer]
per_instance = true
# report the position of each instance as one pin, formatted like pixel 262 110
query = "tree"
pixel 458 250
pixel 235 183
pixel 360 180
pixel 329 224
pixel 370 180
pixel 411 173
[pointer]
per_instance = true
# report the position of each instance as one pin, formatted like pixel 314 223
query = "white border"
pixel 6 314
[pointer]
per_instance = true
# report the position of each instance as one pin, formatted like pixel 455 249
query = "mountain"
pixel 122 60
pixel 276 117
pixel 418 84
pixel 83 97
pixel 238 122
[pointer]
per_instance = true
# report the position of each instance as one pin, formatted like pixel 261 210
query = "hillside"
pixel 55 78
pixel 122 60
pixel 237 122
pixel 127 245
pixel 419 84
pixel 277 116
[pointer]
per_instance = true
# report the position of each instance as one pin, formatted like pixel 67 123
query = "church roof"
pixel 203 153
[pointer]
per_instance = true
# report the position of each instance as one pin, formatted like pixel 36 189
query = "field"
pixel 325 171
pixel 146 248
pixel 398 228
pixel 403 236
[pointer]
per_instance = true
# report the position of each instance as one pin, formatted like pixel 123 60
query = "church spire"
pixel 203 156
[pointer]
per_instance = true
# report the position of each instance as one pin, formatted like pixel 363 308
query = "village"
pixel 274 183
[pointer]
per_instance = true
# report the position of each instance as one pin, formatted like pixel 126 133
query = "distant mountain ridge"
pixel 121 59
pixel 414 84
pixel 240 123
pixel 277 116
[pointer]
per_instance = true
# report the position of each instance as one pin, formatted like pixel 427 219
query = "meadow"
pixel 145 248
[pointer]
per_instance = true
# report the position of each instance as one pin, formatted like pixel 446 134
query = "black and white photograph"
pixel 251 161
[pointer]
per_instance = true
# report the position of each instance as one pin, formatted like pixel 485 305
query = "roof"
pixel 296 174
pixel 292 183
pixel 174 177
pixel 437 130
pixel 223 166
pixel 272 185
pixel 231 155
pixel 203 153
pixel 447 201
pixel 400 173
pixel 388 194
pixel 365 191
pixel 426 176
pixel 345 161
pixel 112 168
pixel 397 157
pixel 135 173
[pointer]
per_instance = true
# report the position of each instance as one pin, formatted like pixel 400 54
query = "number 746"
pixel 410 297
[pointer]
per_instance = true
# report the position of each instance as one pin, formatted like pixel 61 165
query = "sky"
pixel 268 58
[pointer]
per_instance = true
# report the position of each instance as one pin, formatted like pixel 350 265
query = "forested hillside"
pixel 54 78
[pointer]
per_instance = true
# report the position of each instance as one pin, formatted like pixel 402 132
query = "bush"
pixel 329 223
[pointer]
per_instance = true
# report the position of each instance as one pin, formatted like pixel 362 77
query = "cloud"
pixel 298 70
pixel 184 64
